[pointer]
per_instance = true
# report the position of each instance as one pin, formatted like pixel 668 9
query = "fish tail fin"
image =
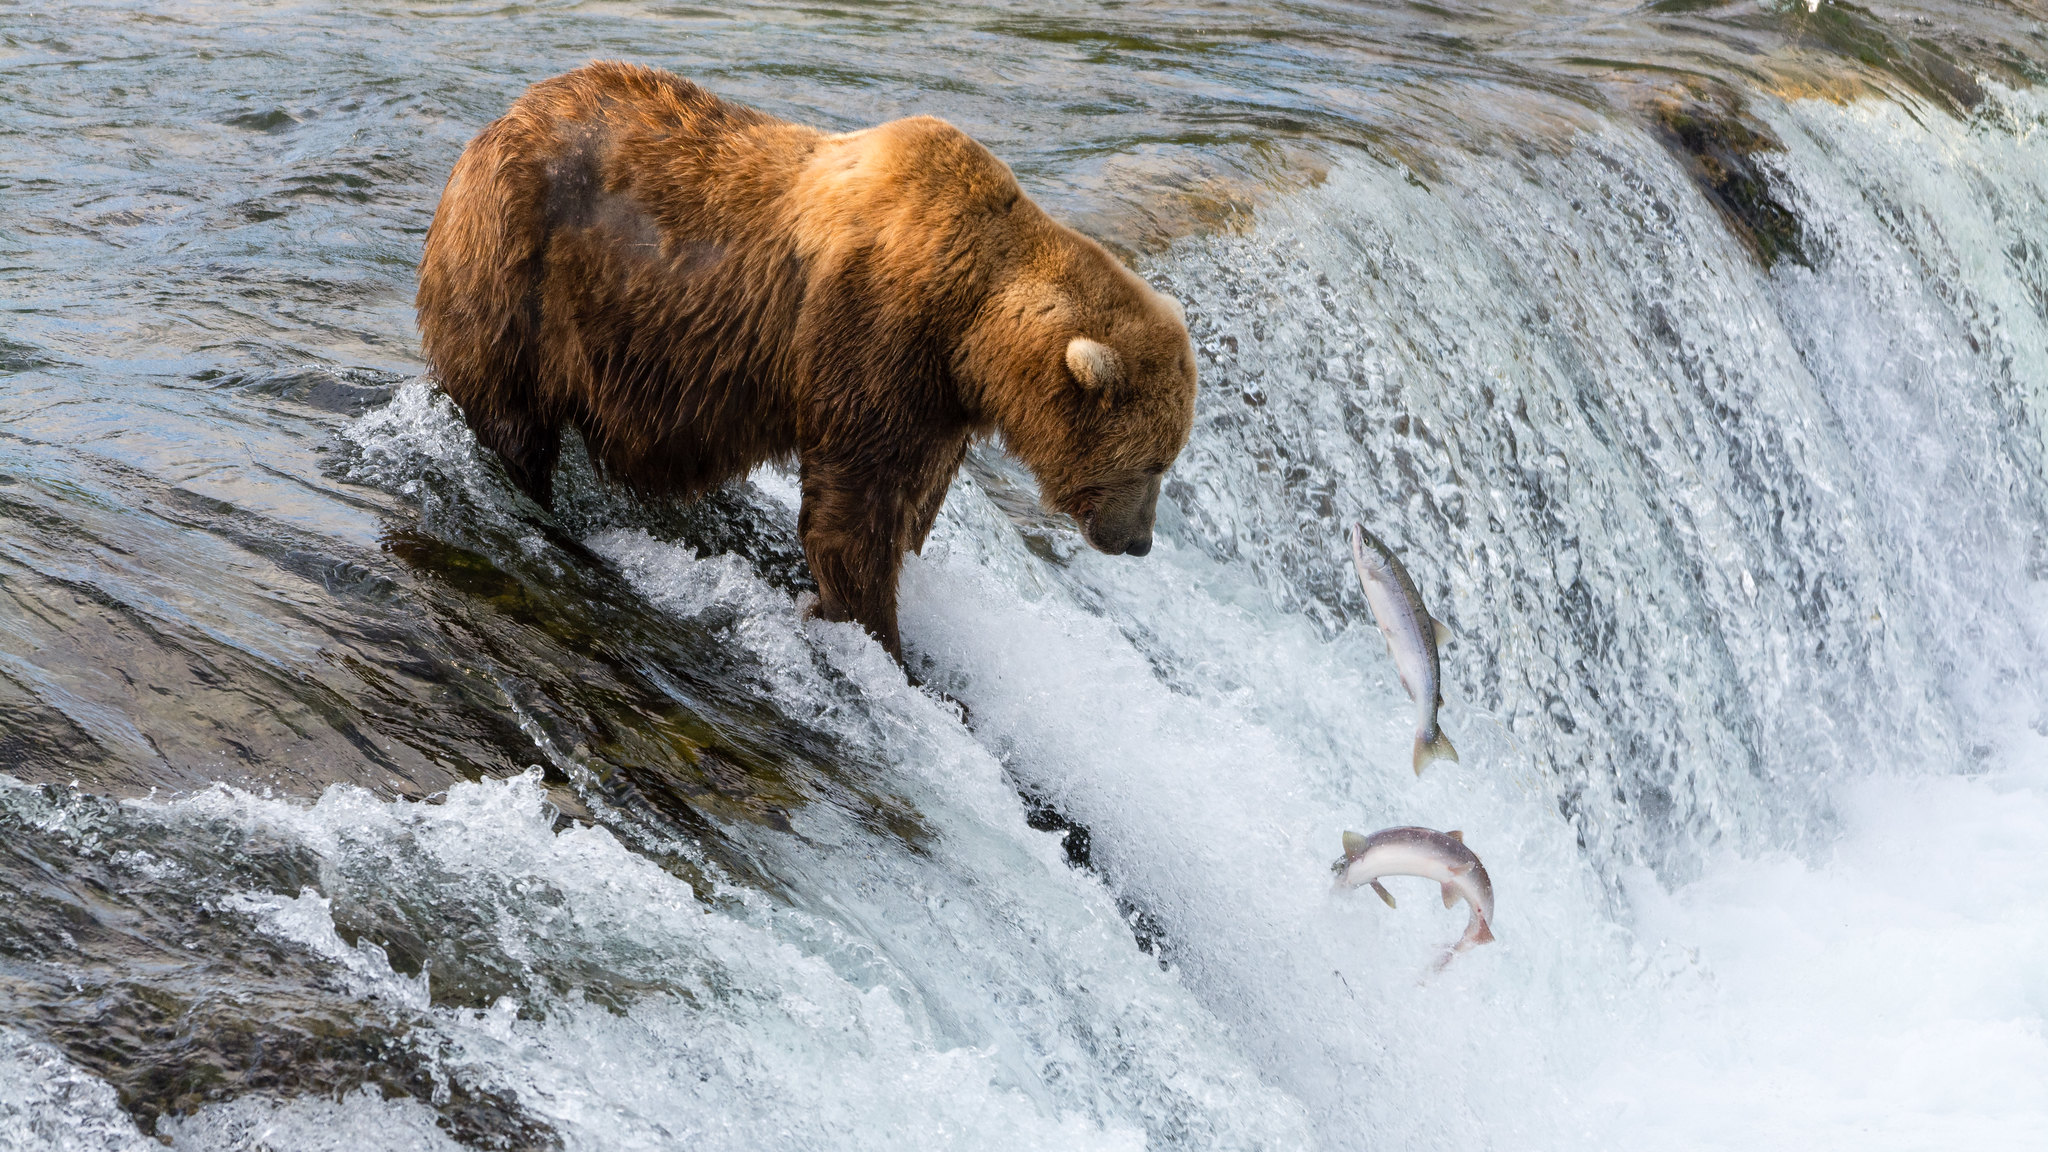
pixel 1431 748
pixel 1450 896
pixel 1485 933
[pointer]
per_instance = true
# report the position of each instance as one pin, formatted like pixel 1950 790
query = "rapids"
pixel 1694 355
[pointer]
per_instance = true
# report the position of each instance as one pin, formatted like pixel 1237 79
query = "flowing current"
pixel 1693 355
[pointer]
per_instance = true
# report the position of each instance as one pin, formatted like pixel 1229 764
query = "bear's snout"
pixel 1120 544
pixel 1120 524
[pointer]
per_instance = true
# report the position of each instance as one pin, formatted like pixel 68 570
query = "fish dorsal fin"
pixel 1450 895
pixel 1460 868
pixel 1443 631
pixel 1354 844
pixel 1458 836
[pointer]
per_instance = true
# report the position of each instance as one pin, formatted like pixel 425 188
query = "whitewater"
pixel 1747 573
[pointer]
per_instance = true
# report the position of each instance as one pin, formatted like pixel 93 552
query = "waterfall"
pixel 1744 561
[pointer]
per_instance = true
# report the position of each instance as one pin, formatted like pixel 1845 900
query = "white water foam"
pixel 49 1105
pixel 1891 997
pixel 1770 1002
pixel 361 1121
pixel 752 1040
pixel 751 1024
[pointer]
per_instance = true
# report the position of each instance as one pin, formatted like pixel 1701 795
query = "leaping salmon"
pixel 1412 635
pixel 1432 855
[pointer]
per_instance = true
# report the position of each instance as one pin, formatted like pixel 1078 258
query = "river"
pixel 1693 354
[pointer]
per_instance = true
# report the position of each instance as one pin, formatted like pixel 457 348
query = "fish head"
pixel 1370 554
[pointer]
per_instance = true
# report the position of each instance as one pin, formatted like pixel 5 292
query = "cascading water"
pixel 567 831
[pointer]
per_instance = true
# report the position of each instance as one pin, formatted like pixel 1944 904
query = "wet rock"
pixel 1940 74
pixel 1148 931
pixel 1719 143
pixel 115 950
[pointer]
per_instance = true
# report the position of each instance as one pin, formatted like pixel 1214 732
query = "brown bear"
pixel 700 288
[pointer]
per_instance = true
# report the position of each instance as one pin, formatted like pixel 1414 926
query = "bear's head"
pixel 1089 375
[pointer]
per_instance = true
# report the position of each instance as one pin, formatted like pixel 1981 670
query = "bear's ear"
pixel 1173 306
pixel 1093 363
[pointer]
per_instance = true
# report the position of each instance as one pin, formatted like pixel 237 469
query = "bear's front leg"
pixel 853 528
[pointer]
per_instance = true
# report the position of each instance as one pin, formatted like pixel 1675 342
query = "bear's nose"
pixel 1139 547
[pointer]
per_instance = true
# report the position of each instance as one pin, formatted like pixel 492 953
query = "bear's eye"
pixel 1156 470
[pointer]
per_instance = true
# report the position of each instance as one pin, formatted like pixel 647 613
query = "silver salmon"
pixel 1412 635
pixel 1432 855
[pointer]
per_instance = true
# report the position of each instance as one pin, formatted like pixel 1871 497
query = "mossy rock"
pixel 1718 142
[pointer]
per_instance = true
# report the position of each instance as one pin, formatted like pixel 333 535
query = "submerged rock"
pixel 118 949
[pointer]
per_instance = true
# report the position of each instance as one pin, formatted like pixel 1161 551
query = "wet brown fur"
pixel 701 288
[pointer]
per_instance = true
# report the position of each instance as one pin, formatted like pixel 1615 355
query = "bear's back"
pixel 656 160
pixel 697 166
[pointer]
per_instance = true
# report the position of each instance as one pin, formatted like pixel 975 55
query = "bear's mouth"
pixel 1082 509
pixel 1084 515
pixel 1081 506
